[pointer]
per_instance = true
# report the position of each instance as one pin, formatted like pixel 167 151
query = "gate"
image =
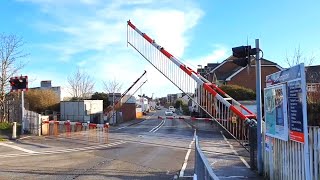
pixel 223 109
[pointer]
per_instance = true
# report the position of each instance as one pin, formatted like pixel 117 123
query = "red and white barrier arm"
pixel 194 75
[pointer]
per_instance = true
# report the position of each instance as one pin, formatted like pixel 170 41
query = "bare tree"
pixel 112 86
pixel 81 85
pixel 10 53
pixel 298 58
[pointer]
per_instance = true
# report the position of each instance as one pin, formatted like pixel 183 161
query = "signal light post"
pixel 20 84
pixel 243 55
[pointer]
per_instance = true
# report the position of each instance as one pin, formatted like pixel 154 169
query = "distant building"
pixel 46 85
pixel 172 98
pixel 117 97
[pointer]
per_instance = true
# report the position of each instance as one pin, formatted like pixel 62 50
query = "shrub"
pixel 239 92
pixel 5 126
pixel 41 100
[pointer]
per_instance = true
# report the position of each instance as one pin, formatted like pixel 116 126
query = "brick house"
pixel 229 73
pixel 313 83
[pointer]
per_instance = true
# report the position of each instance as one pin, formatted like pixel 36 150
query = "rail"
pixel 202 168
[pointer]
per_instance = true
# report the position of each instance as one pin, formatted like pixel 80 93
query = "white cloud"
pixel 99 29
pixel 218 54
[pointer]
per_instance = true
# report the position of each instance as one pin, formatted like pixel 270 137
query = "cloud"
pixel 98 30
pixel 218 54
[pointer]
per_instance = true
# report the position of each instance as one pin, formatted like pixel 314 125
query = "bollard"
pixel 55 128
pixel 106 127
pixel 67 126
pixel 14 130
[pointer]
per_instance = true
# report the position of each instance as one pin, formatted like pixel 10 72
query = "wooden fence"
pixel 288 158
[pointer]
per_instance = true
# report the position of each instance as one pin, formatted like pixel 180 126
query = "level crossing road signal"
pixel 243 53
pixel 19 83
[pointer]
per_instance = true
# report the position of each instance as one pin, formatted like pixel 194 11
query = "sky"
pixel 62 36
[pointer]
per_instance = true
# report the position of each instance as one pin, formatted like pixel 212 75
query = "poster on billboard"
pixel 294 77
pixel 295 111
pixel 276 116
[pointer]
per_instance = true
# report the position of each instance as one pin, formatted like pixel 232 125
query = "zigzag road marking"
pixel 63 150
pixel 17 148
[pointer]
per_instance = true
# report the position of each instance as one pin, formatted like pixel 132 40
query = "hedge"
pixel 238 92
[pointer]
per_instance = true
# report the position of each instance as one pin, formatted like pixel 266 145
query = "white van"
pixel 171 108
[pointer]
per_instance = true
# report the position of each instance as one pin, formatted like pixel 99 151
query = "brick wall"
pixel 128 111
pixel 248 79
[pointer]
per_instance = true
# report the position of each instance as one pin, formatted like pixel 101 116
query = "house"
pixel 228 73
pixel 313 83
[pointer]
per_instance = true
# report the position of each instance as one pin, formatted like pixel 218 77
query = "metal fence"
pixel 202 168
pixel 32 122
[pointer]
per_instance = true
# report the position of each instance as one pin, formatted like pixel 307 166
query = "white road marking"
pixel 157 127
pixel 25 137
pixel 63 150
pixel 184 166
pixel 17 148
pixel 235 152
pixel 121 127
pixel 128 126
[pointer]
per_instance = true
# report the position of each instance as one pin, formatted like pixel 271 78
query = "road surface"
pixel 149 149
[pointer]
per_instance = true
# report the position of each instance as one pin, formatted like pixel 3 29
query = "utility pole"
pixel 259 110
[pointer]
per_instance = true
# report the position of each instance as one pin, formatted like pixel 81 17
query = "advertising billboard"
pixel 276 116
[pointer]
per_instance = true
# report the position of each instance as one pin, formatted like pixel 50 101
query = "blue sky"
pixel 62 35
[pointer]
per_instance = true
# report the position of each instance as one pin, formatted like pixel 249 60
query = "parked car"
pixel 158 107
pixel 168 113
pixel 171 108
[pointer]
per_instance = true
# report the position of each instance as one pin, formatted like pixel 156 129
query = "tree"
pixel 80 85
pixel 298 58
pixel 101 96
pixel 41 100
pixel 10 53
pixel 178 104
pixel 112 86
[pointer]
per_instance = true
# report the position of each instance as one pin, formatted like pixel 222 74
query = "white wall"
pixel 80 110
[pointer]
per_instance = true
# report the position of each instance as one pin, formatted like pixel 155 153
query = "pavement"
pixel 148 148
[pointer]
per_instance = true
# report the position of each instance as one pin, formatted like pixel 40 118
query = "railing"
pixel 202 168
pixel 208 97
pixel 286 160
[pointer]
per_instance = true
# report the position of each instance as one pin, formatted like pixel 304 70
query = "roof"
pixel 312 74
pixel 227 68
